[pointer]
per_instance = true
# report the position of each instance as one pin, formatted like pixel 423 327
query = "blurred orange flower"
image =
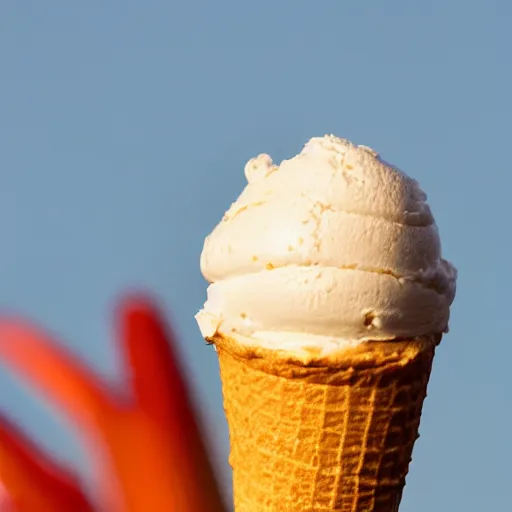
pixel 148 451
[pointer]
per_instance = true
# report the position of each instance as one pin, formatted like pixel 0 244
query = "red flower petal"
pixel 35 483
pixel 149 453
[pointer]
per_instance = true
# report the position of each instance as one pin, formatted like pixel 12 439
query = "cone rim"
pixel 370 355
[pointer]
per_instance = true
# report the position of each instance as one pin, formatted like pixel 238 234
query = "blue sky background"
pixel 124 129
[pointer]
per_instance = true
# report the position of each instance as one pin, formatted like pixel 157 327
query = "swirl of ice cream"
pixel 333 246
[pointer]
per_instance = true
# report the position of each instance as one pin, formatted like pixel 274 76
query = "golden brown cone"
pixel 323 434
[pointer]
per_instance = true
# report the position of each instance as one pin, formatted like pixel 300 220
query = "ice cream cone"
pixel 323 434
pixel 327 296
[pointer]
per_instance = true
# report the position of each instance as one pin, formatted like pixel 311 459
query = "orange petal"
pixel 54 372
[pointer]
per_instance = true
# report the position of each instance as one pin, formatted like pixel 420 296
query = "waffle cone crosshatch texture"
pixel 319 437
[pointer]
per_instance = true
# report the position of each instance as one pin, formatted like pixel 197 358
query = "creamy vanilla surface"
pixel 333 246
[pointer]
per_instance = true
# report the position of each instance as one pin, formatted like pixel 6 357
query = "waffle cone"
pixel 323 434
